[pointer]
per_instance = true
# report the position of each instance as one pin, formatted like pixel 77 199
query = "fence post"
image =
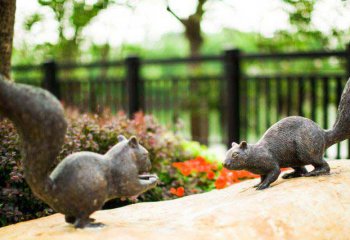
pixel 50 81
pixel 233 78
pixel 134 84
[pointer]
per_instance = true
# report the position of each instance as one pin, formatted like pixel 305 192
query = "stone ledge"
pixel 301 208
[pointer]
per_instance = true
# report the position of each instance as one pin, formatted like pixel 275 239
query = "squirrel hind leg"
pixel 72 219
pixel 69 219
pixel 321 168
pixel 86 222
pixel 298 172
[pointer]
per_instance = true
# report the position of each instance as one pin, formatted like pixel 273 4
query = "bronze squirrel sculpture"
pixel 292 142
pixel 83 181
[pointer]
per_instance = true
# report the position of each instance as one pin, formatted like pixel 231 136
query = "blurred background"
pixel 214 71
pixel 187 77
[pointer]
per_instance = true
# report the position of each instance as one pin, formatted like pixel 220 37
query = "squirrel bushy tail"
pixel 42 126
pixel 341 128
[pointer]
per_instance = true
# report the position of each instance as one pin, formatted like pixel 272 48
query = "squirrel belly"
pixel 80 184
pixel 292 142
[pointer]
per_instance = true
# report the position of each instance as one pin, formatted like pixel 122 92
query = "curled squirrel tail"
pixel 341 128
pixel 42 126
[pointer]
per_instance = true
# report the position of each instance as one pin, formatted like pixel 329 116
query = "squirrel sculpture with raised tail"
pixel 82 182
pixel 292 142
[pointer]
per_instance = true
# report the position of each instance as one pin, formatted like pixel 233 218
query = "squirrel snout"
pixel 225 164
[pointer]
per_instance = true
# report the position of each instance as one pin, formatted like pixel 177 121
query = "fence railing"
pixel 240 97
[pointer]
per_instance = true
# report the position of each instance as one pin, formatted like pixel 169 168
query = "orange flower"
pixel 173 191
pixel 220 183
pixel 210 175
pixel 186 171
pixel 197 165
pixel 200 165
pixel 180 192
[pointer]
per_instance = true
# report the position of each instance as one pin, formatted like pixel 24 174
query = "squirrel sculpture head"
pixel 237 156
pixel 139 154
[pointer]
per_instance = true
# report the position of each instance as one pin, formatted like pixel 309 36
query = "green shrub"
pixel 87 133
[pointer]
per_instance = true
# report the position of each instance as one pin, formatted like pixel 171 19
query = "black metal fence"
pixel 239 94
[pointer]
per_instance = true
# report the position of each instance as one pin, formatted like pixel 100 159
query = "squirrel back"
pixel 42 127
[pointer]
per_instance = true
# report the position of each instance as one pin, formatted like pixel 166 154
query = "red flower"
pixel 210 175
pixel 220 183
pixel 180 191
pixel 173 191
pixel 196 165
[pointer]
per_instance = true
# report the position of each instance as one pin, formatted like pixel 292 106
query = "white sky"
pixel 149 20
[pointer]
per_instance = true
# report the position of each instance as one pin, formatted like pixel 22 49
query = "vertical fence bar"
pixel 244 102
pixel 50 81
pixel 134 84
pixel 325 101
pixel 325 104
pixel 280 100
pixel 257 106
pixel 348 76
pixel 233 77
pixel 348 60
pixel 300 96
pixel 339 89
pixel 289 96
pixel 313 98
pixel 268 103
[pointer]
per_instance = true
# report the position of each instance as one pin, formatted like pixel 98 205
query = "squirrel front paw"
pixel 153 180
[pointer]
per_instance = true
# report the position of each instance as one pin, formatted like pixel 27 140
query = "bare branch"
pixel 172 12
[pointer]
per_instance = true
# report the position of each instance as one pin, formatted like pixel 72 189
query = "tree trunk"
pixel 199 102
pixel 7 21
pixel 198 93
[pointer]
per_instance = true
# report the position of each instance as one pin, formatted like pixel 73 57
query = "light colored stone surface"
pixel 302 208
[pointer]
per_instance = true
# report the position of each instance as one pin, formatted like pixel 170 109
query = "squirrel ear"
pixel 121 138
pixel 243 145
pixel 234 144
pixel 133 142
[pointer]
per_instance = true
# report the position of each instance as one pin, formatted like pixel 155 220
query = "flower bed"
pixel 85 133
pixel 169 154
pixel 199 174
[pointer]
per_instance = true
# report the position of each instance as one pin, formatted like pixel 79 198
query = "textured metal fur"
pixel 83 181
pixel 292 142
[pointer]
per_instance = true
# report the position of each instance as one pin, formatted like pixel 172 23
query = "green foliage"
pixel 301 13
pixel 76 15
pixel 69 14
pixel 86 133
pixel 302 36
pixel 31 20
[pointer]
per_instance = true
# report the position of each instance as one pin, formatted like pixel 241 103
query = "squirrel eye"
pixel 235 154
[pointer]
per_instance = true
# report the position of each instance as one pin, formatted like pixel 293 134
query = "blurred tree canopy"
pixel 73 16
pixel 302 35
pixel 70 15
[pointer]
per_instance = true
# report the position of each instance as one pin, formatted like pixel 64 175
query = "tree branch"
pixel 200 10
pixel 172 12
